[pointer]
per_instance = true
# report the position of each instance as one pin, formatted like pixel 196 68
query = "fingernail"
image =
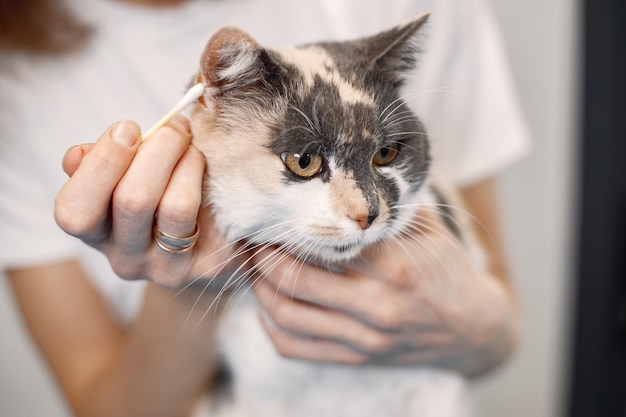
pixel 126 132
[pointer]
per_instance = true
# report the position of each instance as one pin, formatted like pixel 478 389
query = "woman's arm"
pixel 416 301
pixel 155 367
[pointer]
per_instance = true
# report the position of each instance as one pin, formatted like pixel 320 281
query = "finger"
pixel 178 210
pixel 352 293
pixel 296 278
pixel 293 346
pixel 414 262
pixel 74 157
pixel 82 205
pixel 139 192
pixel 307 320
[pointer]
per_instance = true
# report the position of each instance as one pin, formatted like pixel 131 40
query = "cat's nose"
pixel 365 220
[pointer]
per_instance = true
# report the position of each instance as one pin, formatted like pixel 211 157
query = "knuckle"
pixel 284 348
pixel 283 315
pixel 271 272
pixel 389 317
pixel 125 270
pixel 179 212
pixel 402 277
pixel 178 128
pixel 196 155
pixel 73 223
pixel 377 343
pixel 133 203
pixel 399 274
pixel 66 221
pixel 357 359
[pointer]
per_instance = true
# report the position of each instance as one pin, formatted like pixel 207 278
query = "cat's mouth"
pixel 344 247
pixel 339 252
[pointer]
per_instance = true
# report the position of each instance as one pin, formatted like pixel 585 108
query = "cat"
pixel 312 149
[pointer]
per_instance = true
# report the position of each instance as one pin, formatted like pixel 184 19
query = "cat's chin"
pixel 330 254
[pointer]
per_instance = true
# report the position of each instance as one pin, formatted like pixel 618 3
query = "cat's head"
pixel 311 147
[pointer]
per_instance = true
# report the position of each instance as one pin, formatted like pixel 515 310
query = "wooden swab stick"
pixel 190 96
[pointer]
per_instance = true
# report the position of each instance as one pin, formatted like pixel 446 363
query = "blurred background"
pixel 542 205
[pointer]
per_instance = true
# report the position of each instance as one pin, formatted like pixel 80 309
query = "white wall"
pixel 537 196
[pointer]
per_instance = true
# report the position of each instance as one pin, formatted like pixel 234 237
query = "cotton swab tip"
pixel 190 96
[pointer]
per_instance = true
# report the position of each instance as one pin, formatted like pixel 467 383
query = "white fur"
pixel 246 58
pixel 268 385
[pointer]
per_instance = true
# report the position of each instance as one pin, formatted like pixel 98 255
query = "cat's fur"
pixel 339 101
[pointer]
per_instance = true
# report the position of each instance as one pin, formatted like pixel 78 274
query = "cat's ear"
pixel 232 60
pixel 394 52
pixel 233 64
pixel 230 56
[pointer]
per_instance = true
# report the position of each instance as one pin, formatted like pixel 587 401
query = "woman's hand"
pixel 418 300
pixel 116 188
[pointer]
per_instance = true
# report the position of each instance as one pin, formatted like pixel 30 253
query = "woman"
pixel 117 346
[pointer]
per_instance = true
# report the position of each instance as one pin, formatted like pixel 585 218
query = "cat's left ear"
pixel 394 52
pixel 230 56
pixel 234 63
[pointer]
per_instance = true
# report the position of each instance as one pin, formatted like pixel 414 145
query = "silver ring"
pixel 173 244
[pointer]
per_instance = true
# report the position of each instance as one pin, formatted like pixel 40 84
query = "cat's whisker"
pixel 433 230
pixel 425 244
pixel 474 220
pixel 439 211
pixel 304 258
pixel 450 206
pixel 413 148
pixel 291 129
pixel 400 100
pixel 303 114
pixel 394 116
pixel 276 257
pixel 407 97
pixel 425 254
pixel 431 227
pixel 244 249
pixel 202 276
pixel 406 133
pixel 285 248
pixel 262 246
pixel 398 118
pixel 411 224
pixel 439 208
pixel 235 278
pixel 316 120
pixel 238 281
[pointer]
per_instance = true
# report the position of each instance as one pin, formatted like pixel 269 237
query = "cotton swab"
pixel 190 96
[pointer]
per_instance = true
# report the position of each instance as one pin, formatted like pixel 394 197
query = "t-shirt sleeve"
pixel 464 94
pixel 29 233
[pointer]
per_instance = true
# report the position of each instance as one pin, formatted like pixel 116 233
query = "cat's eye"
pixel 385 155
pixel 303 165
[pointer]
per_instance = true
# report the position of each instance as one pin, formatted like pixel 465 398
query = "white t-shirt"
pixel 140 60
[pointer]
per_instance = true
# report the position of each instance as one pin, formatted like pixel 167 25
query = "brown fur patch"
pixel 346 197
